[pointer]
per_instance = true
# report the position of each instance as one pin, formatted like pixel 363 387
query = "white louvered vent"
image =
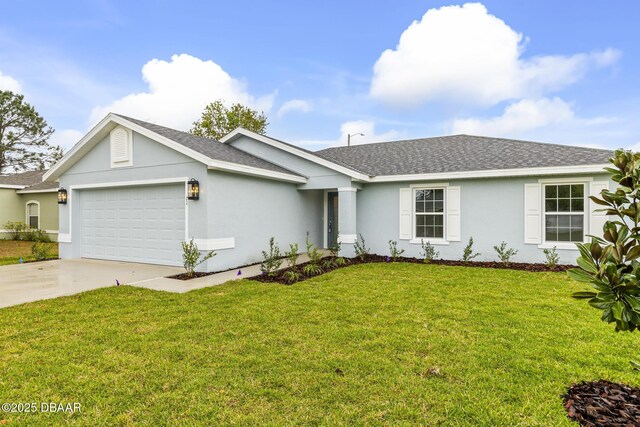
pixel 120 140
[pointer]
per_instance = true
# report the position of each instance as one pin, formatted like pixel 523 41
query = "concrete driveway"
pixel 35 281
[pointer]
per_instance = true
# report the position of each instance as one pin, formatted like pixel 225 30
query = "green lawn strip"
pixel 369 344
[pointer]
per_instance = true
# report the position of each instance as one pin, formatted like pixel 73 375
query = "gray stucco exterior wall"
pixel 252 210
pixel 492 211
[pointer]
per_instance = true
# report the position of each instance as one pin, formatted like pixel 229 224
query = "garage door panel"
pixel 139 224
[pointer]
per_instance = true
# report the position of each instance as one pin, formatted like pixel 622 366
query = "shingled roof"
pixel 459 153
pixel 23 178
pixel 211 148
pixel 31 181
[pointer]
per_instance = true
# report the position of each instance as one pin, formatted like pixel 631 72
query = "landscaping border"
pixel 279 277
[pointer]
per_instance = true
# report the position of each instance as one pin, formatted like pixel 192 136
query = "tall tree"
pixel 24 136
pixel 217 120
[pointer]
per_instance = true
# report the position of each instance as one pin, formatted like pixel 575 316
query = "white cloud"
pixel 464 54
pixel 523 115
pixel 9 83
pixel 295 105
pixel 66 138
pixel 179 90
pixel 366 127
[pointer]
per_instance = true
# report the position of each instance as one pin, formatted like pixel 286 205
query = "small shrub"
pixel 551 258
pixel 428 251
pixel 191 257
pixel 336 260
pixel 360 248
pixel 394 251
pixel 505 253
pixel 28 235
pixel 340 261
pixel 40 236
pixel 15 229
pixel 291 276
pixel 334 250
pixel 315 256
pixel 312 269
pixel 272 260
pixel 292 256
pixel 467 254
pixel 40 250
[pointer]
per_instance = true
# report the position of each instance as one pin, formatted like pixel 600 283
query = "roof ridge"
pixel 519 141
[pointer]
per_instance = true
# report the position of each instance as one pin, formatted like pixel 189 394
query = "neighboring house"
pixel 25 198
pixel 127 183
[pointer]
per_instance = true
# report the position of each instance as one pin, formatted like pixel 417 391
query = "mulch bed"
pixel 279 277
pixel 185 276
pixel 603 403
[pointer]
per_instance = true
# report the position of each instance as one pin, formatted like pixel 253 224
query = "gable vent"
pixel 120 139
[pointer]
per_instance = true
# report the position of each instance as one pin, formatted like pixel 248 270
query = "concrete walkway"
pixel 35 281
pixel 181 286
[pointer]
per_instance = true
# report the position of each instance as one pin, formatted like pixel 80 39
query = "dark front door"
pixel 332 220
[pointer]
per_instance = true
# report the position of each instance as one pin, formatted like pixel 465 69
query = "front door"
pixel 332 219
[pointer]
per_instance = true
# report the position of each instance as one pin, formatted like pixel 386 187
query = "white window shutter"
pixel 405 214
pixel 453 214
pixel 596 219
pixel 532 214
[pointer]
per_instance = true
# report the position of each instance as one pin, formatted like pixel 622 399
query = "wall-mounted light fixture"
pixel 62 196
pixel 193 189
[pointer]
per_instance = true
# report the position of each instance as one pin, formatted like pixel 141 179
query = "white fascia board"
pixel 253 171
pixel 494 173
pixel 12 187
pixel 295 151
pixel 51 190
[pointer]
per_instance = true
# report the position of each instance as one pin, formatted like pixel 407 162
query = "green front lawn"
pixel 12 250
pixel 370 344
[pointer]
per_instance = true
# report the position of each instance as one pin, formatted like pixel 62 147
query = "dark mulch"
pixel 279 277
pixel 602 403
pixel 185 276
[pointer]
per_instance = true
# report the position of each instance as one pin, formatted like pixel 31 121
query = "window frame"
pixel 28 217
pixel 435 240
pixel 585 210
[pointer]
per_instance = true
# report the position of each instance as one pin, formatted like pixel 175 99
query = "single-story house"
pixel 25 198
pixel 127 184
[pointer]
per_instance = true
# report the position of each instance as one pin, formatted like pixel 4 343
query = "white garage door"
pixel 136 224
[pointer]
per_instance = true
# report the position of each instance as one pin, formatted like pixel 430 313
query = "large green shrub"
pixel 609 263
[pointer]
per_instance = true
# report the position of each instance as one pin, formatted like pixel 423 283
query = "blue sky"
pixel 564 72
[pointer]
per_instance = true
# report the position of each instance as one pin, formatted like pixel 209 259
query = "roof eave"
pixel 495 173
pixel 27 191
